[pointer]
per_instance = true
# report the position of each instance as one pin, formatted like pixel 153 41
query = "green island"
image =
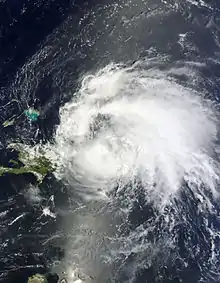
pixel 37 278
pixel 38 165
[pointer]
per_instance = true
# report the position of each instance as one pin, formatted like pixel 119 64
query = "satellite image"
pixel 109 143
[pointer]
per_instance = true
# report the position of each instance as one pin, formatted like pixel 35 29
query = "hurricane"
pixel 127 122
pixel 137 135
